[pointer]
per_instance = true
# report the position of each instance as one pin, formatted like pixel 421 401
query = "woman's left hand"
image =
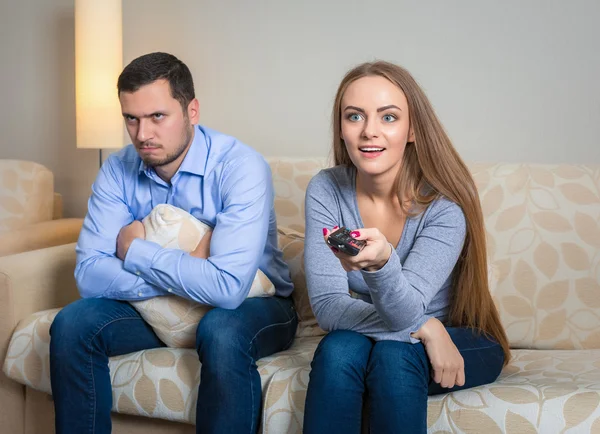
pixel 447 364
pixel 372 257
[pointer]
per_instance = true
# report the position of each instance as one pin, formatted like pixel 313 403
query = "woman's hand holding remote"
pixel 372 257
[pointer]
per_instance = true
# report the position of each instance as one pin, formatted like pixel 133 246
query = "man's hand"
pixel 202 250
pixel 126 236
pixel 447 363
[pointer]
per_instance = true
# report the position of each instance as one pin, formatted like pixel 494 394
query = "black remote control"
pixel 345 243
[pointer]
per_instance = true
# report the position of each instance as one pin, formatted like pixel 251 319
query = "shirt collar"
pixel 195 159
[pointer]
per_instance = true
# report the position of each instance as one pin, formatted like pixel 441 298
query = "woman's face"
pixel 375 125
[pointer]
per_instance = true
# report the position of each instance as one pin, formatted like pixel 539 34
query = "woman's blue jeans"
pixel 89 331
pixel 392 379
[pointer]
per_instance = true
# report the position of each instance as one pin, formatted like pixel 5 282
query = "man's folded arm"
pixel 99 272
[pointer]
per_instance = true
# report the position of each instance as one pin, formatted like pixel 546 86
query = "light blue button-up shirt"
pixel 221 182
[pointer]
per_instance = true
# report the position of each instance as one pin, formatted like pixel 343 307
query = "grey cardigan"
pixel 399 298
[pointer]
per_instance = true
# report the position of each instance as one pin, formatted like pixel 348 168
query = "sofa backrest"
pixel 290 179
pixel 26 194
pixel 543 224
pixel 543 228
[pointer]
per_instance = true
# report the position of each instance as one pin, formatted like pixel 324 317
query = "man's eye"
pixel 158 116
pixel 130 119
pixel 354 117
pixel 389 118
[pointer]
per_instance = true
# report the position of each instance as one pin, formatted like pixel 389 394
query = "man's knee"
pixel 75 323
pixel 73 320
pixel 220 331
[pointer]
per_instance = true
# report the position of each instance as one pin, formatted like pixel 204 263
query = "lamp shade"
pixel 98 63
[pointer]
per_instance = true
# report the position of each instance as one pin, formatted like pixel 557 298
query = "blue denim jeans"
pixel 390 379
pixel 87 332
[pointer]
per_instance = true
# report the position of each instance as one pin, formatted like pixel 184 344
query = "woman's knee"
pixel 393 360
pixel 483 356
pixel 341 349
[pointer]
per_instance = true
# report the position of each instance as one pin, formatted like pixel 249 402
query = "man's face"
pixel 159 129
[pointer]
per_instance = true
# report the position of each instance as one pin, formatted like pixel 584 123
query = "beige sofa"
pixel 543 223
pixel 30 210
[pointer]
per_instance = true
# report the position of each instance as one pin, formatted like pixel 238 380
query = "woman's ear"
pixel 411 135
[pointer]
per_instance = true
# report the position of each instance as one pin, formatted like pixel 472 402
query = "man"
pixel 221 182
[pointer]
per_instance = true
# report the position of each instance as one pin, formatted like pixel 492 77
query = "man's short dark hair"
pixel 150 67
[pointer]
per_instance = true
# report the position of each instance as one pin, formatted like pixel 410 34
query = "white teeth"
pixel 371 149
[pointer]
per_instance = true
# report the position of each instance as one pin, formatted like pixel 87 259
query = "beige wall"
pixel 37 94
pixel 512 81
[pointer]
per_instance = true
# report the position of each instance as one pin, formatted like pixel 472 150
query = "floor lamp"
pixel 98 63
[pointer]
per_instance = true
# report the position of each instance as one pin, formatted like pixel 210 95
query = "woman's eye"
pixel 354 117
pixel 389 118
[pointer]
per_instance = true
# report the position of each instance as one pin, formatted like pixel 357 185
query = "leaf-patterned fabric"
pixel 26 194
pixel 175 319
pixel 543 226
pixel 541 391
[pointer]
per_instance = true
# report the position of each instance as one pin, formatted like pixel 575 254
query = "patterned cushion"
pixel 28 357
pixel 161 382
pixel 292 245
pixel 290 179
pixel 543 224
pixel 540 391
pixel 173 318
pixel 26 194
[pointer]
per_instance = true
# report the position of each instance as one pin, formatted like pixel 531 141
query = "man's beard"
pixel 152 162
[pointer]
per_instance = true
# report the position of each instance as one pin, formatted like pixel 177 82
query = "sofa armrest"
pixel 57 210
pixel 29 282
pixel 36 280
pixel 40 235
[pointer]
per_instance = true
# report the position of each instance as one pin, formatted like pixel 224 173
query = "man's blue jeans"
pixel 87 332
pixel 392 379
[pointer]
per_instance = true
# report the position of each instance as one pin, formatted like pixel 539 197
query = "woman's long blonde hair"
pixel 431 167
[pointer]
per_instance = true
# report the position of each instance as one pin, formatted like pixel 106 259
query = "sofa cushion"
pixel 26 194
pixel 161 383
pixel 290 179
pixel 291 243
pixel 175 319
pixel 543 224
pixel 540 391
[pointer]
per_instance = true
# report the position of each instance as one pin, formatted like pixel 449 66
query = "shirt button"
pixel 138 273
pixel 139 294
pixel 169 290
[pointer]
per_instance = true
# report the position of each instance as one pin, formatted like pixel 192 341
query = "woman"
pixel 424 321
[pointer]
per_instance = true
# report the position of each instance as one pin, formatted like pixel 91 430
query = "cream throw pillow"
pixel 173 318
